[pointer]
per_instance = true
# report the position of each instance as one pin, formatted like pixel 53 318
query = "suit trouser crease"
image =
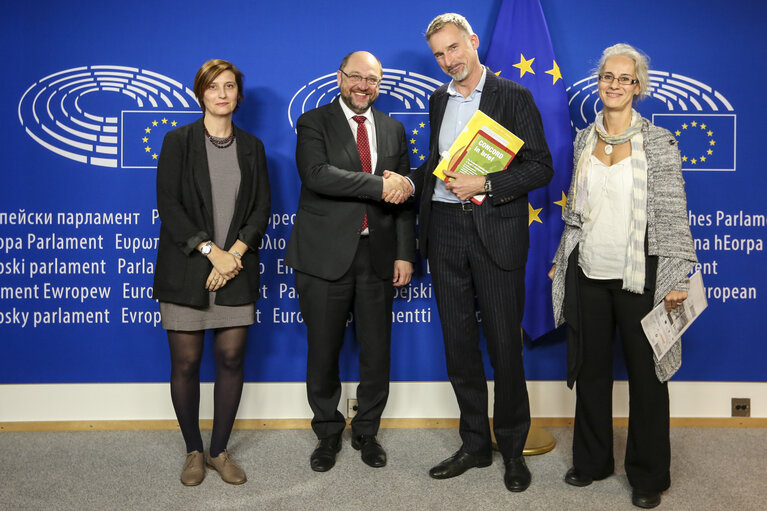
pixel 325 306
pixel 606 306
pixel 462 269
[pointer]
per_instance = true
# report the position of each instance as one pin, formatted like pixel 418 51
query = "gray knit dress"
pixel 225 183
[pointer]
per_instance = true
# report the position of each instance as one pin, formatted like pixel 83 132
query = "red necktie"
pixel 363 146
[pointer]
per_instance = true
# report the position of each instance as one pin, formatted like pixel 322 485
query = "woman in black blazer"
pixel 213 199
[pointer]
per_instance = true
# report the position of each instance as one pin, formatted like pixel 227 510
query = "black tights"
pixel 185 355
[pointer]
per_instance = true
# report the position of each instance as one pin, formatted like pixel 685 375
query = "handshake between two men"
pixel 396 188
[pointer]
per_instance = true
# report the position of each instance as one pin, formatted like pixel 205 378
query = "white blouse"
pixel 602 250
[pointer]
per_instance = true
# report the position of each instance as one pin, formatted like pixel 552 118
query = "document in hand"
pixel 664 328
pixel 482 147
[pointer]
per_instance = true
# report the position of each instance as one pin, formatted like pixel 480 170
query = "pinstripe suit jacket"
pixel 502 221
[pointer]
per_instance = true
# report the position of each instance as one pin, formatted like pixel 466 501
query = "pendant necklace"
pixel 608 148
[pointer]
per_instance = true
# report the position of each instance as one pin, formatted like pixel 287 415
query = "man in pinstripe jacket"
pixel 478 252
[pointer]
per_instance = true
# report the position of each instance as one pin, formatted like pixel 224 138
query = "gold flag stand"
pixel 539 441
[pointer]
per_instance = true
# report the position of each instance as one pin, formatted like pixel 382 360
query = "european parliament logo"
pixel 108 116
pixel 703 120
pixel 404 95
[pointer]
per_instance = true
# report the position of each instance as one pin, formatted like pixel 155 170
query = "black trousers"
pixel 462 270
pixel 325 307
pixel 605 306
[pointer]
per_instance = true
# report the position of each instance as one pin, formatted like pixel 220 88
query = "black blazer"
pixel 185 205
pixel 502 220
pixel 336 193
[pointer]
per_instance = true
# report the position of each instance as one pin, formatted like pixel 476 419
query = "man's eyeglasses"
pixel 609 77
pixel 355 79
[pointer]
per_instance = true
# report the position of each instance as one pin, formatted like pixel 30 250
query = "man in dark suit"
pixel 351 243
pixel 478 252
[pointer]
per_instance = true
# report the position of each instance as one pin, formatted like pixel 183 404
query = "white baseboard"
pixel 427 400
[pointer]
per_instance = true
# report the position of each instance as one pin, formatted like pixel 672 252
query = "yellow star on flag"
pixel 712 142
pixel 415 132
pixel 148 130
pixel 147 149
pixel 702 126
pixel 415 150
pixel 677 133
pixel 412 141
pixel 422 125
pixel 702 158
pixel 154 156
pixel 710 152
pixel 422 157
pixel 145 140
pixel 524 66
pixel 164 120
pixel 173 123
pixel 154 123
pixel 694 123
pixel 694 161
pixel 561 202
pixel 532 214
pixel 684 158
pixel 554 72
pixel 710 133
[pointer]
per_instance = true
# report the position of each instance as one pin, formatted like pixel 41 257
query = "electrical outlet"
pixel 741 407
pixel 351 408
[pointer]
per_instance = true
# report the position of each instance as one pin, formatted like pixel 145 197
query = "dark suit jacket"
pixel 185 205
pixel 502 221
pixel 336 193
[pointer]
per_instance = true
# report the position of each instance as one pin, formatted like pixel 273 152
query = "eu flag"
pixel 521 50
pixel 706 141
pixel 143 132
pixel 417 133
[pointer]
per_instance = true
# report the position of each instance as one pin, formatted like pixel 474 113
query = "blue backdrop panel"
pixel 98 86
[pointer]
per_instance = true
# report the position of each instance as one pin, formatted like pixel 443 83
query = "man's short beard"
pixel 462 75
pixel 354 108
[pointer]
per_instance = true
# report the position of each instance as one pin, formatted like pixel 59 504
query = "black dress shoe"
pixel 645 499
pixel 372 452
pixel 459 463
pixel 577 478
pixel 324 456
pixel 517 476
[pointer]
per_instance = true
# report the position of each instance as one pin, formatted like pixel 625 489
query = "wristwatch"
pixel 488 185
pixel 206 248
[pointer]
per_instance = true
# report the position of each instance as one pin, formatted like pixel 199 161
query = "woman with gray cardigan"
pixel 626 247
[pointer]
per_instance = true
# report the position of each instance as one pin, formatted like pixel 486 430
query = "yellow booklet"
pixel 483 147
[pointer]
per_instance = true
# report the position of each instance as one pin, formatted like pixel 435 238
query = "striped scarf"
pixel 633 272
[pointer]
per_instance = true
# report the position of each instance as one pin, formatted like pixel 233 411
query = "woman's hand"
pixel 673 299
pixel 215 281
pixel 225 263
pixel 551 271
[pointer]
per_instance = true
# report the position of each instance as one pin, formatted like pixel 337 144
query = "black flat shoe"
pixel 577 478
pixel 517 476
pixel 372 452
pixel 324 456
pixel 459 463
pixel 645 499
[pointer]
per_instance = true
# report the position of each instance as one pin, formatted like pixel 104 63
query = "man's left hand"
pixel 464 186
pixel 403 270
